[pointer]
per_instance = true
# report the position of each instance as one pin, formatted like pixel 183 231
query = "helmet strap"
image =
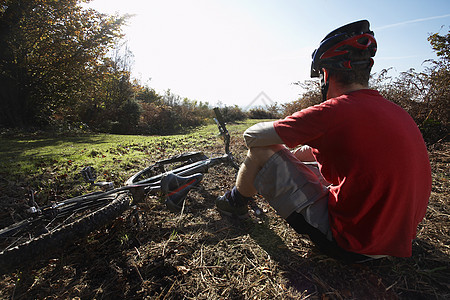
pixel 324 84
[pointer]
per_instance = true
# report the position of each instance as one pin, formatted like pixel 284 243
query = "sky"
pixel 250 52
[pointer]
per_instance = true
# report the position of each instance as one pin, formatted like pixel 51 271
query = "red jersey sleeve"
pixel 305 126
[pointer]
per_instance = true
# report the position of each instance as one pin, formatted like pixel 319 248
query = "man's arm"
pixel 262 134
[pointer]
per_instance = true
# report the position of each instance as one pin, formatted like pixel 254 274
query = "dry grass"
pixel 151 253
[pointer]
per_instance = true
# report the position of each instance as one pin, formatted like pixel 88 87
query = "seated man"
pixel 374 162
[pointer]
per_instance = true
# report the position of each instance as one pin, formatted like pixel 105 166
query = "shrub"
pixel 232 113
pixel 161 118
pixel 260 113
pixel 268 112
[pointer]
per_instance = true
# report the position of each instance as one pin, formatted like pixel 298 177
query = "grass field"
pixel 41 160
pixel 151 253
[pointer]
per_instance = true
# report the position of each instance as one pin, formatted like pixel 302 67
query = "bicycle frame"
pixel 152 185
pixel 201 166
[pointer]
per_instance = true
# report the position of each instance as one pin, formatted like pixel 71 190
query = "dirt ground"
pixel 151 253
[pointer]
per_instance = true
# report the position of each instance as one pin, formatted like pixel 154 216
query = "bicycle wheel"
pixel 25 242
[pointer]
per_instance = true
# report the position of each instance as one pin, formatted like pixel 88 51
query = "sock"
pixel 237 199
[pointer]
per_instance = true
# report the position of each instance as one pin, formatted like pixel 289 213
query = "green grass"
pixel 54 162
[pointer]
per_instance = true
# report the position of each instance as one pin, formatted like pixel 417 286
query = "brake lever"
pixel 89 176
pixel 222 129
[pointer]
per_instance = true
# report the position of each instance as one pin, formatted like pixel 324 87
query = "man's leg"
pixel 326 246
pixel 275 173
pixel 253 163
pixel 285 182
pixel 234 202
pixel 301 201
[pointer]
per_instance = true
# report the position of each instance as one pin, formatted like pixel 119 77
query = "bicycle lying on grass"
pixel 60 223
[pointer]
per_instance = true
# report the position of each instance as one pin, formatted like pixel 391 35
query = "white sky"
pixel 232 50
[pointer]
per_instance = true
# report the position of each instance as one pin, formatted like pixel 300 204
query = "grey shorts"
pixel 290 185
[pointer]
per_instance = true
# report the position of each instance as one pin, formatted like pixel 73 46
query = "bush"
pixel 162 118
pixel 128 118
pixel 268 112
pixel 433 131
pixel 232 113
pixel 310 97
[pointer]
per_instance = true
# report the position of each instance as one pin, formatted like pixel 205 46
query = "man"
pixel 373 160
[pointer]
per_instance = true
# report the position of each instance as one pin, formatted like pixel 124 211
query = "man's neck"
pixel 336 90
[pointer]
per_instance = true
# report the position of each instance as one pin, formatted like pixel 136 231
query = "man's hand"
pixel 304 153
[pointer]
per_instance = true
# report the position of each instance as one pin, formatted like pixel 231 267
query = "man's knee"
pixel 260 155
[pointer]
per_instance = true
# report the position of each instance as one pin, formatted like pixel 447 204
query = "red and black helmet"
pixel 336 49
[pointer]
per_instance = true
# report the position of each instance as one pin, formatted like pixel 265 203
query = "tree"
pixel 51 55
pixel 148 95
pixel 441 44
pixel 439 78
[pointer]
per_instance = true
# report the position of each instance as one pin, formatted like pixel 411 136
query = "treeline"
pixel 62 66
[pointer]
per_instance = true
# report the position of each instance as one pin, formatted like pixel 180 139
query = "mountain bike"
pixel 61 223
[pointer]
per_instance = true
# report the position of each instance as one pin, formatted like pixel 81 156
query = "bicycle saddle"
pixel 177 187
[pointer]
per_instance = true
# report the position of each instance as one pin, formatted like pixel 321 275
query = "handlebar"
pixel 222 129
pixel 226 137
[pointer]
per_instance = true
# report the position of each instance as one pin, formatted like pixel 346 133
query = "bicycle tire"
pixel 31 251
